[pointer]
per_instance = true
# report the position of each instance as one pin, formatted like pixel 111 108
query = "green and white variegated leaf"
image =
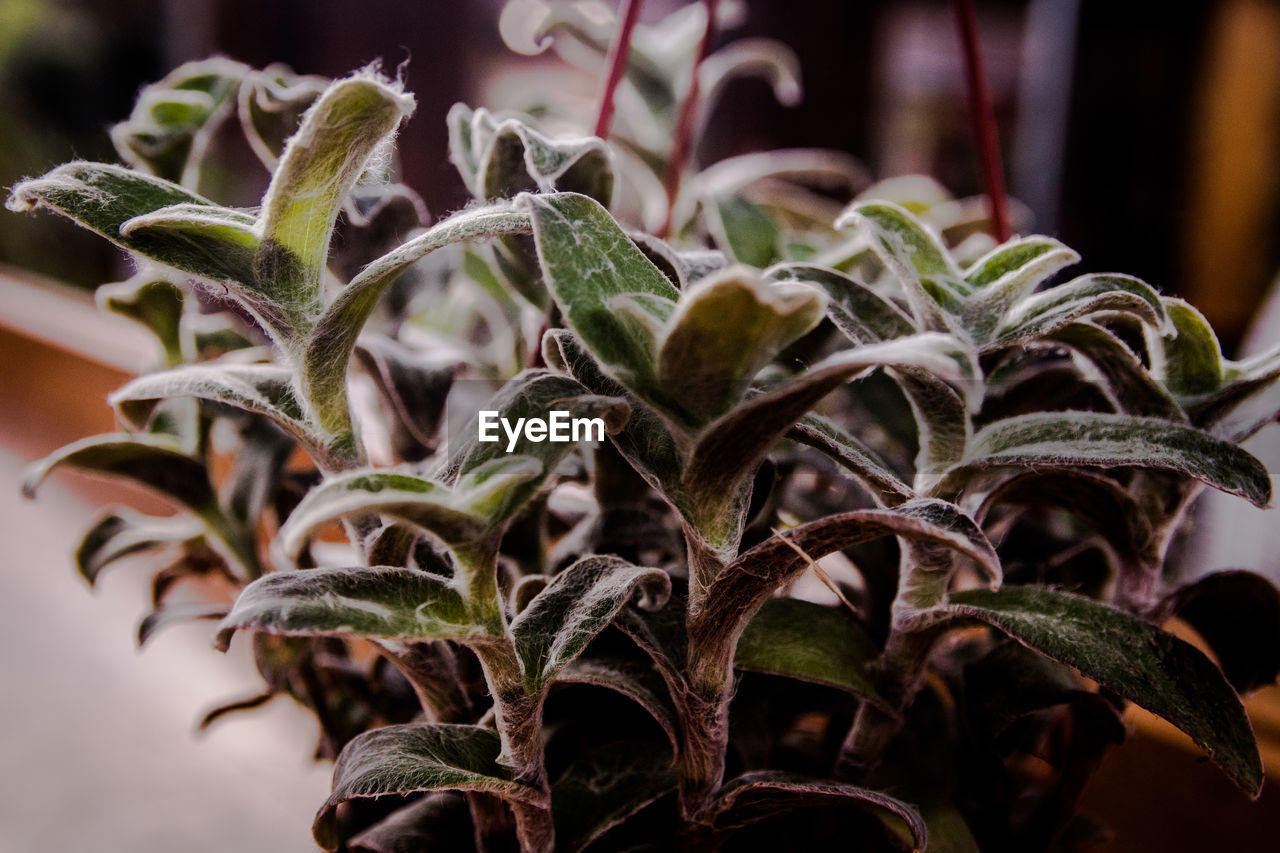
pixel 379 602
pixel 578 603
pixel 121 532
pixel 1007 274
pixel 803 640
pixel 457 515
pixel 260 388
pixel 319 166
pixel 1069 439
pixel 331 341
pixel 857 310
pixel 1045 312
pixel 605 787
pixel 764 793
pixel 151 300
pixel 174 119
pixel 932 282
pixel 588 261
pixel 855 457
pixel 1165 675
pixel 407 759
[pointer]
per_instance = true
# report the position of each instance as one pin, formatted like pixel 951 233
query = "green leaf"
pixel 800 639
pixel 272 103
pixel 1189 360
pixel 765 793
pixel 743 230
pixel 724 330
pixel 120 532
pixel 1007 274
pixel 151 301
pixel 745 584
pixel 855 457
pixel 328 348
pixel 380 601
pixel 260 388
pixel 857 310
pixel 153 461
pixel 605 787
pixel 564 617
pixel 406 759
pixel 587 260
pixel 455 515
pixel 174 119
pixel 1124 380
pixel 1063 439
pixel 916 258
pixel 1049 310
pixel 1165 675
pixel 319 166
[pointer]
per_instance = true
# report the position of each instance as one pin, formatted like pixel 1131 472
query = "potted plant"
pixel 871 556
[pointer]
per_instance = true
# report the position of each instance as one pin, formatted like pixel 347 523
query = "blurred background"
pixel 1145 135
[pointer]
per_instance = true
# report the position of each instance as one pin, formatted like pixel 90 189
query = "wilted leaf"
pixel 800 639
pixel 1155 669
pixel 573 608
pixel 398 760
pixel 379 601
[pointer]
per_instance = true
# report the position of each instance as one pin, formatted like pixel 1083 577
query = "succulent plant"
pixel 884 507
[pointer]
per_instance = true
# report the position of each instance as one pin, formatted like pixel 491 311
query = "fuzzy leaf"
pixel 586 261
pixel 1238 614
pixel 743 587
pixel 329 346
pixel 1061 439
pixel 1044 312
pixel 1008 273
pixel 724 330
pixel 916 258
pixel 604 787
pixel 163 617
pixel 455 515
pixel 1124 380
pixel 765 793
pixel 858 311
pixel 564 617
pixel 121 532
pixel 380 601
pixel 437 821
pixel 1165 675
pixel 152 301
pixel 319 166
pixel 1188 361
pixel 800 639
pixel 406 759
pixel 414 387
pixel 153 461
pixel 853 456
pixel 272 104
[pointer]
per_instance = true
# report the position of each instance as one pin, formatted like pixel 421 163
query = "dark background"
pixel 1142 134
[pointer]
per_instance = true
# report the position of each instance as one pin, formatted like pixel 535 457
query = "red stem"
pixel 982 117
pixel 684 123
pixel 617 61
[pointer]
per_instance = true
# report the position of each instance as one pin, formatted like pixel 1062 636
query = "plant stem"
pixel 982 117
pixel 685 122
pixel 617 62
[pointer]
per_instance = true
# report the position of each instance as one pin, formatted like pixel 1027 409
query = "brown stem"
pixel 683 140
pixel 982 117
pixel 617 62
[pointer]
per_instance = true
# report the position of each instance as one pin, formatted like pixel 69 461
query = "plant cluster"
pixel 874 555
